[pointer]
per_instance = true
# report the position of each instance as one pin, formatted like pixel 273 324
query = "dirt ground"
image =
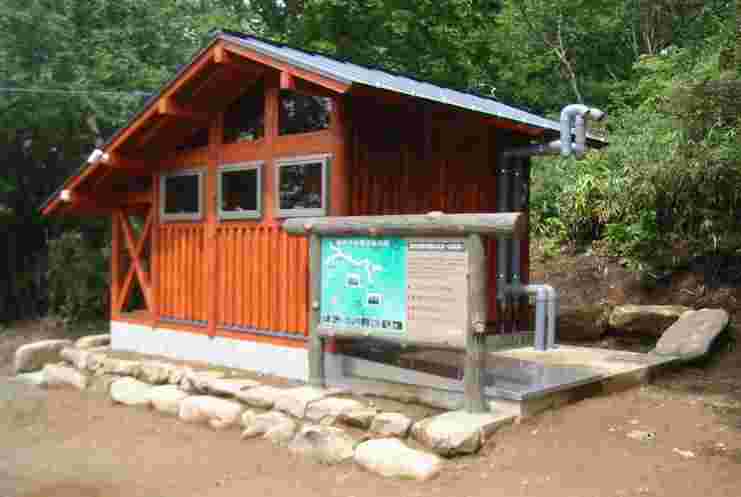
pixel 65 443
pixel 69 444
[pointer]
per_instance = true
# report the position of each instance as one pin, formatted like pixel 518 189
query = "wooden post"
pixel 316 345
pixel 115 264
pixel 475 333
pixel 215 140
pixel 154 250
pixel 272 117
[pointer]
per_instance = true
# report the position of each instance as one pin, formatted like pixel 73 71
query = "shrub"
pixel 78 278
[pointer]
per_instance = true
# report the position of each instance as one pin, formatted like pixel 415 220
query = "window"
pixel 181 195
pixel 244 119
pixel 301 185
pixel 303 113
pixel 239 191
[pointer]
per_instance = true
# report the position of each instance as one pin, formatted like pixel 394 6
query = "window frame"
pixel 325 160
pixel 239 166
pixel 199 172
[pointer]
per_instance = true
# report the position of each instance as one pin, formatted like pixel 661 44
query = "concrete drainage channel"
pixel 326 425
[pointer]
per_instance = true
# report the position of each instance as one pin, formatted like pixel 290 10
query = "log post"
pixel 115 264
pixel 316 343
pixel 473 373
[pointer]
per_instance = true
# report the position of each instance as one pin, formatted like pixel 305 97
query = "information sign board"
pixel 413 287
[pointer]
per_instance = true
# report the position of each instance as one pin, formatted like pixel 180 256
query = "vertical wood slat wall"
pixel 182 291
pixel 261 277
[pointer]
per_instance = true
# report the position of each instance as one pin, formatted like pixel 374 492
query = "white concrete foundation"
pixel 240 354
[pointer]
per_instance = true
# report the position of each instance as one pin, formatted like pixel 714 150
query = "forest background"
pixel 665 195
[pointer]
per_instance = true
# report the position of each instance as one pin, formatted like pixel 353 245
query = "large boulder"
pixel 325 444
pixel 391 458
pixel 196 382
pixel 390 424
pixel 228 387
pixel 34 356
pixel 82 359
pixel 331 408
pixel 56 375
pixel 692 335
pixel 295 401
pixel 36 378
pixel 584 322
pixel 456 432
pixel 275 426
pixel 217 412
pixel 263 397
pixel 156 372
pixel 92 341
pixel 167 398
pixel 101 383
pixel 644 320
pixel 130 392
pixel 120 367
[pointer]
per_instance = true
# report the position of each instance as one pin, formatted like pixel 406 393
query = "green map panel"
pixel 364 283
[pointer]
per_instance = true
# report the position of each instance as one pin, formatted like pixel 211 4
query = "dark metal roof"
pixel 348 72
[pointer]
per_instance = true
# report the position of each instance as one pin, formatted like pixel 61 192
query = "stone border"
pixel 319 423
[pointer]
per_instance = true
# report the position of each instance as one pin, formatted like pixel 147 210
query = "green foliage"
pixel 666 189
pixel 78 278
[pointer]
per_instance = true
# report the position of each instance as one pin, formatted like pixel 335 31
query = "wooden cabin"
pixel 248 134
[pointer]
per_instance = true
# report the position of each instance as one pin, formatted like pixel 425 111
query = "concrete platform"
pixel 521 381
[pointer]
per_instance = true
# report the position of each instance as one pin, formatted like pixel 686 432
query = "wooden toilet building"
pixel 246 135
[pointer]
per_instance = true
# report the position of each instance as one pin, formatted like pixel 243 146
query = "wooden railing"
pixel 262 279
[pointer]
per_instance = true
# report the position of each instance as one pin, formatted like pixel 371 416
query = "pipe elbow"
pixel 596 114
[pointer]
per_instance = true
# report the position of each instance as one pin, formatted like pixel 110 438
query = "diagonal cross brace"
pixel 134 249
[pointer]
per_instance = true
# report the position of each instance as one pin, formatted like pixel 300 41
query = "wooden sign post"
pixel 418 279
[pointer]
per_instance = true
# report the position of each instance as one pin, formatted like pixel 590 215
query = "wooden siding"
pixel 262 276
pixel 417 159
pixel 182 272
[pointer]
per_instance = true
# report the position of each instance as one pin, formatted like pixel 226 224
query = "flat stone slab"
pixel 295 401
pixel 325 444
pixel 649 320
pixel 56 375
pixel 389 457
pixel 36 378
pixel 693 334
pixel 458 432
pixel 90 341
pixel 131 392
pixel 34 356
pixel 275 426
pixel 332 407
pixel 167 398
pixel 217 412
pixel 82 359
pixel 228 387
pixel 263 397
pixel 391 424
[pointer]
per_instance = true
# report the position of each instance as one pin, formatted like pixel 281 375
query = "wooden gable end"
pixel 185 106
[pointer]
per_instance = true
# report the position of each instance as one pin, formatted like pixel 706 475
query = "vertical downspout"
pixel 515 255
pixel 502 245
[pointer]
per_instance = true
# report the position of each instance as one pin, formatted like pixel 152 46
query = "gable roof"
pixel 339 76
pixel 349 73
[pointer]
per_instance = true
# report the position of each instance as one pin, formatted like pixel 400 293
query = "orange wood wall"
pixel 417 159
pixel 244 275
pixel 392 159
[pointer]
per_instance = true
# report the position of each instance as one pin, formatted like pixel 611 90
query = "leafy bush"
pixel 666 190
pixel 78 281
